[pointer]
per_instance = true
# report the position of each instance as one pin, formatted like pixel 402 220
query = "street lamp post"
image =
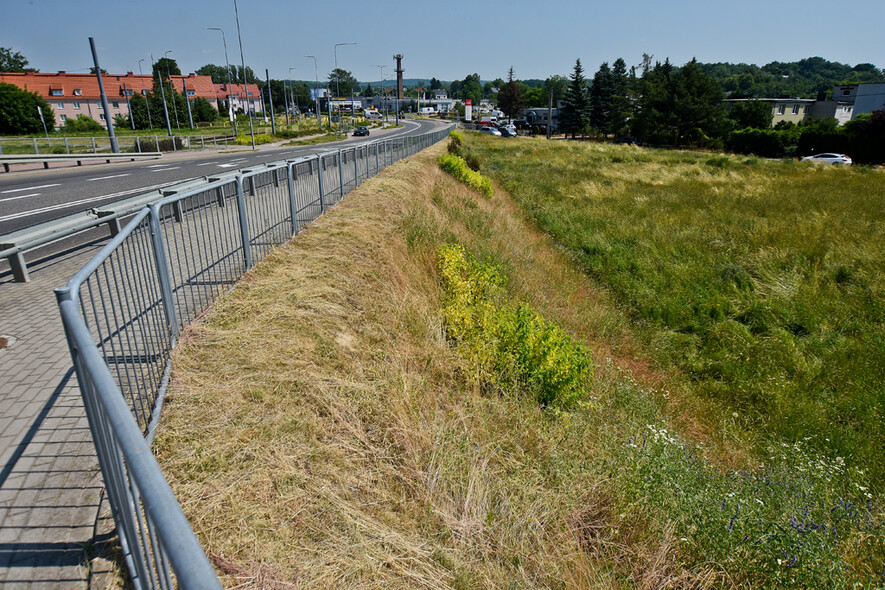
pixel 230 113
pixel 316 89
pixel 245 84
pixel 382 90
pixel 146 103
pixel 337 77
pixel 172 86
pixel 292 97
pixel 163 95
pixel 285 104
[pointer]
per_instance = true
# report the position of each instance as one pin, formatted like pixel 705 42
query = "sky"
pixel 446 40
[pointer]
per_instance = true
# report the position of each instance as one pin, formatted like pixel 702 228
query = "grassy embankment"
pixel 321 429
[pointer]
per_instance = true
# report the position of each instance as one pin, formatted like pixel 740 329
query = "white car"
pixel 490 131
pixel 828 159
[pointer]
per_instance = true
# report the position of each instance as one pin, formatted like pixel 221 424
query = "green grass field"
pixel 760 281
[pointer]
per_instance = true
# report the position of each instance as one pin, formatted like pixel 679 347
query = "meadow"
pixel 761 282
pixel 430 388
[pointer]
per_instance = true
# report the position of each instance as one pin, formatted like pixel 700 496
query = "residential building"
pixel 851 100
pixel 793 110
pixel 70 95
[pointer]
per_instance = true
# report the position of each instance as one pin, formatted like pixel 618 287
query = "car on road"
pixel 627 140
pixel 829 158
pixel 490 131
pixel 361 131
pixel 508 131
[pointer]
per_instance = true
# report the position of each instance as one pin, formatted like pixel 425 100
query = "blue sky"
pixel 448 40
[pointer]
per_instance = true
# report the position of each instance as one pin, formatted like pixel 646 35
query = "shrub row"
pixel 457 167
pixel 510 344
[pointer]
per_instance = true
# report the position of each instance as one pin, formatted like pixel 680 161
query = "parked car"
pixel 490 131
pixel 829 159
pixel 627 140
pixel 508 131
pixel 361 131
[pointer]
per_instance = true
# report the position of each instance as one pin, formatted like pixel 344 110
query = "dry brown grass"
pixel 320 433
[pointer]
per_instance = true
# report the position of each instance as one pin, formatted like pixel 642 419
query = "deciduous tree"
pixel 18 111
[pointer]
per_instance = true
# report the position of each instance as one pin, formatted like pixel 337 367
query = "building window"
pixel 60 105
pixel 190 92
pixel 115 104
pixel 56 92
pixel 846 91
pixel 795 109
pixel 78 92
pixel 145 92
pixel 76 105
pixel 807 109
pixel 101 116
pixel 63 118
pixel 780 109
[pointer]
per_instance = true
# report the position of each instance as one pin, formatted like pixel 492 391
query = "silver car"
pixel 829 159
pixel 490 131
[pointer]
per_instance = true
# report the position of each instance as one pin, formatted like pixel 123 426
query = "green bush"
pixel 761 142
pixel 457 167
pixel 509 344
pixel 83 124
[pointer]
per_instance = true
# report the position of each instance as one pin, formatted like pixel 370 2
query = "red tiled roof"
pixel 87 84
pixel 237 89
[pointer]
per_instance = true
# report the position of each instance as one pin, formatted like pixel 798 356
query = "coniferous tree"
pixel 620 105
pixel 601 96
pixel 510 98
pixel 574 116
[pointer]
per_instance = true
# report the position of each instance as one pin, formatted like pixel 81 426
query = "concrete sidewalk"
pixel 50 485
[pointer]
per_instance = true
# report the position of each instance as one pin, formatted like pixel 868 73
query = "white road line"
pixel 206 163
pixel 143 189
pixel 226 165
pixel 106 177
pixel 20 197
pixel 30 188
pixel 157 165
pixel 166 169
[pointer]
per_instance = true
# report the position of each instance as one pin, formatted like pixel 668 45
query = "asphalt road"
pixel 35 196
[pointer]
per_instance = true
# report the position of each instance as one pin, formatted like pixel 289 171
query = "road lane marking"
pixel 30 188
pixel 20 197
pixel 166 169
pixel 206 164
pixel 106 177
pixel 143 189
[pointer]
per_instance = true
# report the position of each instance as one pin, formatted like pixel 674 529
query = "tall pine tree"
pixel 601 96
pixel 574 116
pixel 510 98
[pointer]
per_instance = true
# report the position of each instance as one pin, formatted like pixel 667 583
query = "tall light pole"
pixel 285 104
pixel 146 103
pixel 230 106
pixel 382 90
pixel 337 86
pixel 316 89
pixel 163 95
pixel 172 86
pixel 292 91
pixel 245 84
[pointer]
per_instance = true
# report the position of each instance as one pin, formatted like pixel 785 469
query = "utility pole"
pixel 146 101
pixel 104 101
pixel 163 94
pixel 230 108
pixel 126 93
pixel 316 89
pixel 172 86
pixel 245 83
pixel 187 101
pixel 382 91
pixel 273 120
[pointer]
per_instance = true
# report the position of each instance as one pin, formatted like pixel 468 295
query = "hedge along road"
pixel 35 196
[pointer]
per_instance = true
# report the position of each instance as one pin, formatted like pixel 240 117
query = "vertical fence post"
pixel 356 167
pixel 377 161
pixel 340 176
pixel 163 269
pixel 67 147
pixel 94 148
pixel 157 141
pixel 320 171
pixel 290 177
pixel 244 223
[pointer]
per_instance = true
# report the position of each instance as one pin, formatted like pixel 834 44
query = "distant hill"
pixel 805 78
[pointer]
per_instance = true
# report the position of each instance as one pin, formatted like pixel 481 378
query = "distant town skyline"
pixel 537 40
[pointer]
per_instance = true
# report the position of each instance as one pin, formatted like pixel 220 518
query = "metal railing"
pixel 102 145
pixel 123 311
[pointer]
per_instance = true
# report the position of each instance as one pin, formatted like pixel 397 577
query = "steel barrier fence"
pixel 124 310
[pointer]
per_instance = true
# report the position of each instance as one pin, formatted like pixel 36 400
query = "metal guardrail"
pixel 102 145
pixel 13 245
pixel 123 312
pixel 45 159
